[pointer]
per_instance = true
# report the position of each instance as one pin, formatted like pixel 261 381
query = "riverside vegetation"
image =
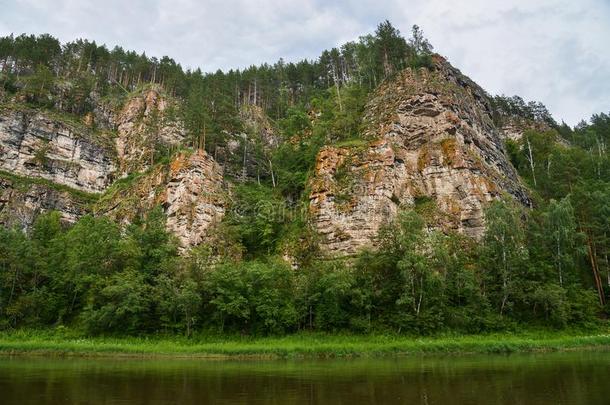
pixel 69 343
pixel 544 266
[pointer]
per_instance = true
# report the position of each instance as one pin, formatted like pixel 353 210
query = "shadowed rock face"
pixel 20 205
pixel 36 145
pixel 513 128
pixel 237 155
pixel 428 134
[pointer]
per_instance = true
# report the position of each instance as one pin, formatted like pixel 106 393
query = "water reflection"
pixel 555 378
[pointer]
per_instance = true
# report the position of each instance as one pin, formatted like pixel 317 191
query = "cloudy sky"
pixel 555 51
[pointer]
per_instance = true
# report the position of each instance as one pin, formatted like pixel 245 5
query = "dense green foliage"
pixel 511 107
pixel 570 174
pixel 45 72
pixel 94 277
pixel 543 266
pixel 77 77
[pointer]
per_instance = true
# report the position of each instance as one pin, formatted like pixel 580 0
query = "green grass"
pixel 117 187
pixel 302 345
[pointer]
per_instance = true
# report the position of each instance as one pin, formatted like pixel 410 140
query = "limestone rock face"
pixel 88 156
pixel 428 135
pixel 194 198
pixel 21 204
pixel 37 145
pixel 513 128
pixel 146 121
pixel 190 190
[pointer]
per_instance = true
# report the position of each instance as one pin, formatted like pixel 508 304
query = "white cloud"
pixel 555 51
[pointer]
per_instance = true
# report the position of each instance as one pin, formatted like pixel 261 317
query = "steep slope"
pixel 428 135
pixel 22 200
pixel 146 122
pixel 37 144
pixel 245 153
pixel 190 190
pixel 50 161
pixel 514 127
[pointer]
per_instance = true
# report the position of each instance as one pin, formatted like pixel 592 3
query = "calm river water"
pixel 554 378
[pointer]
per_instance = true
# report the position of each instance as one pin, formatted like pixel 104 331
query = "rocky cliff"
pixel 245 154
pixel 37 144
pixel 50 161
pixel 21 201
pixel 146 125
pixel 190 190
pixel 428 135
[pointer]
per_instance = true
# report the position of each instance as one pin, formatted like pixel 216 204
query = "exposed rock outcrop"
pixel 428 134
pixel 81 156
pixel 35 144
pixel 20 204
pixel 245 155
pixel 194 198
pixel 258 124
pixel 190 190
pixel 146 121
pixel 513 128
pixel 104 113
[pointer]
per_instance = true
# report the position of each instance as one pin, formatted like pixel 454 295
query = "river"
pixel 547 378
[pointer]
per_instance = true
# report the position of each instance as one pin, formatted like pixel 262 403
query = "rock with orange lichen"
pixel 146 121
pixel 190 190
pixel 430 134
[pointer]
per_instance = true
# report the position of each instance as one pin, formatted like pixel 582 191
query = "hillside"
pixel 375 187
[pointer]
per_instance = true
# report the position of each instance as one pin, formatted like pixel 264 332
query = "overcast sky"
pixel 555 51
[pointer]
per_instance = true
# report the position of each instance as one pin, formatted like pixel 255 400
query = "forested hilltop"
pixel 374 189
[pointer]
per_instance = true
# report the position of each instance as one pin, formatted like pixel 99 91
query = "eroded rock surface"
pixel 194 198
pixel 20 204
pixel 88 156
pixel 37 145
pixel 146 121
pixel 429 135
pixel 190 190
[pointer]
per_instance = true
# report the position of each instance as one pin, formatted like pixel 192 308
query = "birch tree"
pixel 562 235
pixel 503 252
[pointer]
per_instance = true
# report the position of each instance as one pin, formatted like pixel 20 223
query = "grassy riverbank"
pixel 295 346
